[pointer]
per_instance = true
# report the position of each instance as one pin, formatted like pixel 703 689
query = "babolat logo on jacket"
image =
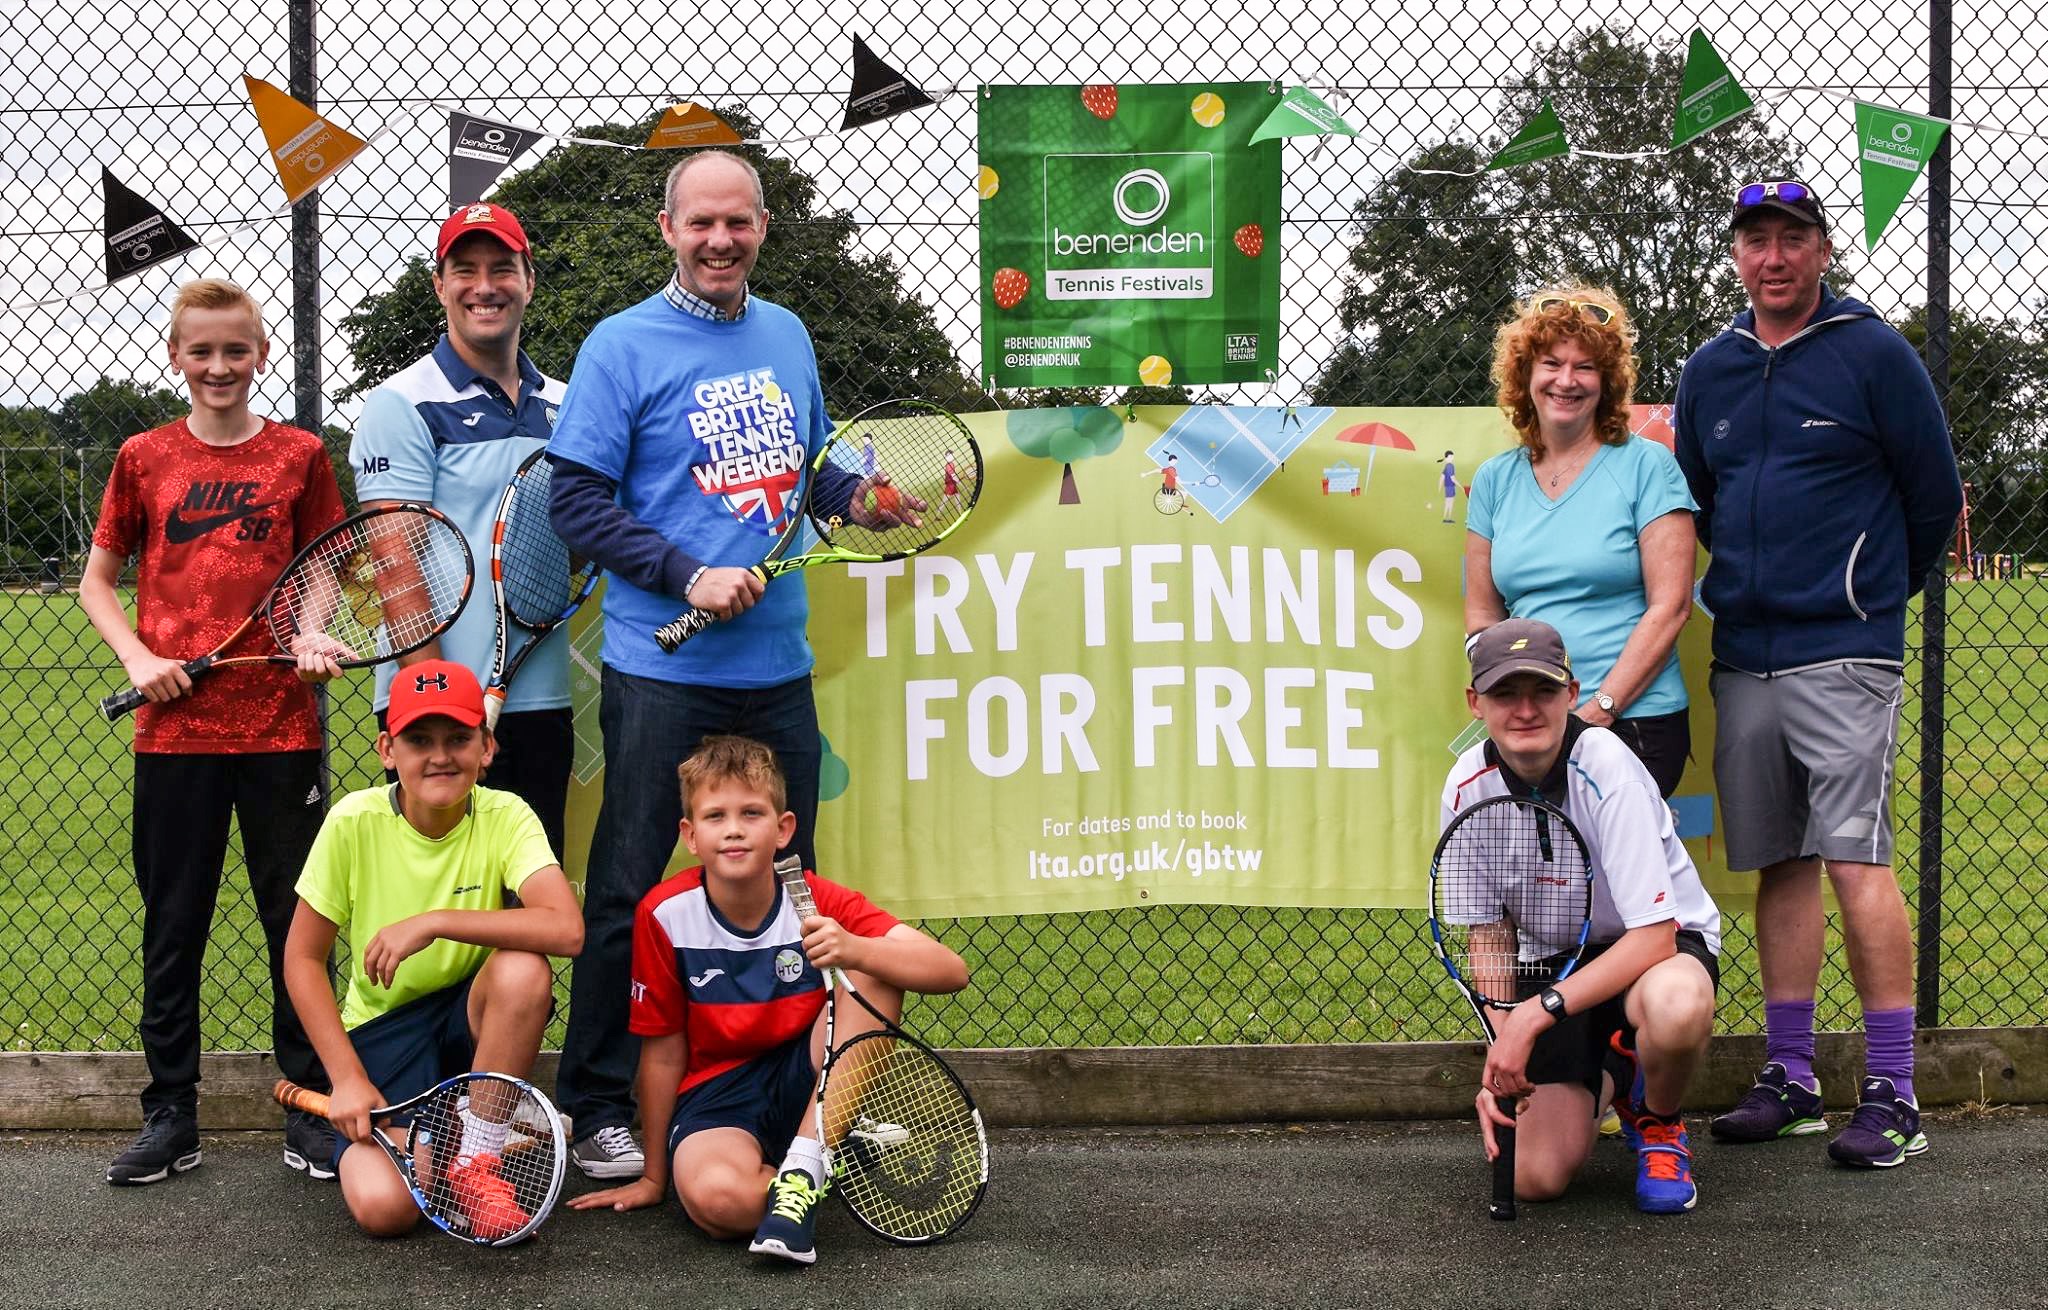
pixel 1826 484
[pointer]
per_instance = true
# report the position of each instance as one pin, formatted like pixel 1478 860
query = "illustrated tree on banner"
pixel 1437 266
pixel 589 211
pixel 1069 434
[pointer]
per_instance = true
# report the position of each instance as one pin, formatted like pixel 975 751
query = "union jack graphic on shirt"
pixel 763 503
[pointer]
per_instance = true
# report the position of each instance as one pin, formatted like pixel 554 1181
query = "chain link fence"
pixel 1393 281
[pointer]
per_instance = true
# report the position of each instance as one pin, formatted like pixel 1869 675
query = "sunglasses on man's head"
pixel 1593 310
pixel 1757 192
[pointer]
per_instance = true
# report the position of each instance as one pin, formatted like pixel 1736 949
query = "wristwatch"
pixel 1552 1001
pixel 1604 701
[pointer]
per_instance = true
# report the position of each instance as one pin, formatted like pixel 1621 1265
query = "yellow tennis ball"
pixel 771 392
pixel 1154 371
pixel 1208 109
pixel 986 183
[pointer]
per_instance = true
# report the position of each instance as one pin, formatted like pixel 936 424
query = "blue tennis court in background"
pixel 1226 452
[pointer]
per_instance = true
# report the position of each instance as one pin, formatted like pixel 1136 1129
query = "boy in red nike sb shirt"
pixel 211 508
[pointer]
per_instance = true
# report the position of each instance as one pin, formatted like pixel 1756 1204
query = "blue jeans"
pixel 650 727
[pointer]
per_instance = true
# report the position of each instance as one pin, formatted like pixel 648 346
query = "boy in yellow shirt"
pixel 446 976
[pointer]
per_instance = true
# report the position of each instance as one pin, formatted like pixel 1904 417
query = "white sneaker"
pixel 610 1152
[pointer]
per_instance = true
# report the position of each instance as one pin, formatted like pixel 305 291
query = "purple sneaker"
pixel 1883 1132
pixel 1776 1107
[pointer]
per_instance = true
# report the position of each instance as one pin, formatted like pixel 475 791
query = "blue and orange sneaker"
pixel 1883 1132
pixel 1627 1107
pixel 1663 1166
pixel 1775 1107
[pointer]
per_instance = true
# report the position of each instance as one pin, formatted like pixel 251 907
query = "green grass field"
pixel 70 917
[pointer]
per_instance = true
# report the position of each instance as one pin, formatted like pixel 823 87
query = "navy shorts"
pixel 407 1050
pixel 1574 1049
pixel 767 1096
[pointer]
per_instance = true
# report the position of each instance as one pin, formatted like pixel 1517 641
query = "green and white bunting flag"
pixel 1708 94
pixel 1893 146
pixel 1301 112
pixel 1541 138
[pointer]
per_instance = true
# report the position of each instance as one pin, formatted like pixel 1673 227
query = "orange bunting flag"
pixel 306 148
pixel 690 125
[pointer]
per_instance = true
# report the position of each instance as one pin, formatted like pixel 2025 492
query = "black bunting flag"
pixel 879 91
pixel 138 234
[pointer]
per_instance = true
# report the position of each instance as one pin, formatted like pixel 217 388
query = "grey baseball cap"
pixel 1518 646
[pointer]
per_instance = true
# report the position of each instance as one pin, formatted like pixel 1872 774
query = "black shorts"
pixel 1663 742
pixel 1573 1050
pixel 767 1096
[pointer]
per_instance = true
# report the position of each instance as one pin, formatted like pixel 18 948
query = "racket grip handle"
pixel 671 635
pixel 120 703
pixel 494 705
pixel 127 702
pixel 294 1097
pixel 1502 1206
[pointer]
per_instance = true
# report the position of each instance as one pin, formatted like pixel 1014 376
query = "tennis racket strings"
pixel 385 584
pixel 486 1158
pixel 539 574
pixel 930 460
pixel 1512 897
pixel 906 1144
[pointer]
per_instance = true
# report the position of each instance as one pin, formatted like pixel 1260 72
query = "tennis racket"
pixel 538 583
pixel 926 482
pixel 903 1140
pixel 1511 902
pixel 370 588
pixel 495 1192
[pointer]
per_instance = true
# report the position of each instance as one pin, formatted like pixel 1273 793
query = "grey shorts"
pixel 1803 763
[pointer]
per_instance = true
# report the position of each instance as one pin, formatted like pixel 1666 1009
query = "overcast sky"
pixel 160 102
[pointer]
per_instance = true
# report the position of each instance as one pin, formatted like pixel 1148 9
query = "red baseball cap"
pixel 434 687
pixel 481 217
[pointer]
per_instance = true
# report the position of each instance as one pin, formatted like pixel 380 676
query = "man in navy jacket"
pixel 1819 456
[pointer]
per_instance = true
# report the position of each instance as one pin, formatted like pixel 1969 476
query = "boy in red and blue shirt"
pixel 728 996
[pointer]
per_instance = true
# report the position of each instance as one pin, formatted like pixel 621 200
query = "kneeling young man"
pixel 729 999
pixel 446 978
pixel 1641 1002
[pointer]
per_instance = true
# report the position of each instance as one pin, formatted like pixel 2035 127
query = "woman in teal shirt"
pixel 1584 526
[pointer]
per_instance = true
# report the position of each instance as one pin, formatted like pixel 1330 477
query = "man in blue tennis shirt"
pixel 1816 448
pixel 449 431
pixel 681 445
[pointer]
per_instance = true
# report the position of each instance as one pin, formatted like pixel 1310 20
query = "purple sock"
pixel 1788 1039
pixel 1888 1048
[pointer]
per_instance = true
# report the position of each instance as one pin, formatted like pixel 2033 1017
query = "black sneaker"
pixel 308 1144
pixel 787 1229
pixel 167 1144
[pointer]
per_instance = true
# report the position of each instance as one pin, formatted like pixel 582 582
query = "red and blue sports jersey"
pixel 733 993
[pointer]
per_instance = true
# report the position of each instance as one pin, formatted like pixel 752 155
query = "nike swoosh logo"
pixel 709 974
pixel 178 529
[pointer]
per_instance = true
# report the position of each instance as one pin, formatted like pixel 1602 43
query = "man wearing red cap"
pixel 449 431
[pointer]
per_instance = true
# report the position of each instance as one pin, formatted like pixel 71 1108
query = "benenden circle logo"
pixel 1137 178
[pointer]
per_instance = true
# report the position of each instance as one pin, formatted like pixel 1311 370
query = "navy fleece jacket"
pixel 1826 484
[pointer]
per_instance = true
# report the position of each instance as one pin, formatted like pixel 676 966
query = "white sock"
pixel 481 1136
pixel 807 1154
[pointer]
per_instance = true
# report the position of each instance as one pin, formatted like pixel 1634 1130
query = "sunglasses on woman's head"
pixel 1592 309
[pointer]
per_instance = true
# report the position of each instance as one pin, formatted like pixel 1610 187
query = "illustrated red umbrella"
pixel 1373 436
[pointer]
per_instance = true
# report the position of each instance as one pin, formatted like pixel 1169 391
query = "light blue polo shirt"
pixel 1575 562
pixel 441 433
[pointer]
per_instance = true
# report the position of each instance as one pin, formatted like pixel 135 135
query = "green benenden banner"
pixel 1245 690
pixel 1129 235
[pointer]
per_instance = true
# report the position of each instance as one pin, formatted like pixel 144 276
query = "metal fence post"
pixel 1933 611
pixel 308 407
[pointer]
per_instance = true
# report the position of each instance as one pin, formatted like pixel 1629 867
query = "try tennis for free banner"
pixel 1129 235
pixel 1231 671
